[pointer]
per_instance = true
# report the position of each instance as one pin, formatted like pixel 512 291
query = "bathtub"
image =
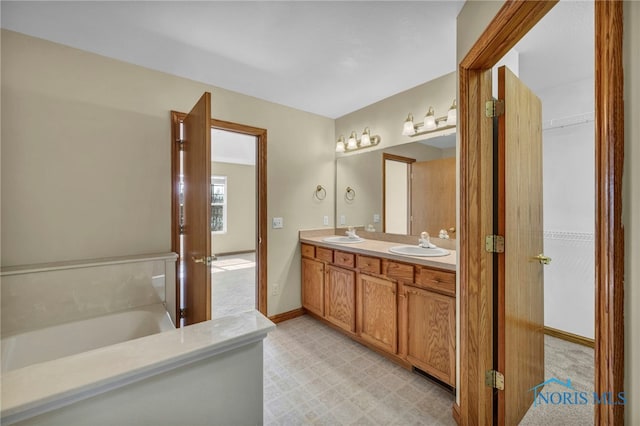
pixel 62 340
pixel 93 342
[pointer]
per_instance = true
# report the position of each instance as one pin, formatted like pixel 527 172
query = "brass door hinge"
pixel 494 244
pixel 182 230
pixel 494 108
pixel 182 313
pixel 494 379
pixel 180 143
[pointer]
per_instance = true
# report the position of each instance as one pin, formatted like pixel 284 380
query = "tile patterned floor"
pixel 314 375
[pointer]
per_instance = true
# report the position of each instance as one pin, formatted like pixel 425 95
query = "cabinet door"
pixel 340 297
pixel 313 286
pixel 431 328
pixel 378 312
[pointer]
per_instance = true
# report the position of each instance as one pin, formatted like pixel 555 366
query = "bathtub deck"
pixel 59 382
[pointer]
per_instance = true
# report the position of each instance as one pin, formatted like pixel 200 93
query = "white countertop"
pixel 46 386
pixel 381 249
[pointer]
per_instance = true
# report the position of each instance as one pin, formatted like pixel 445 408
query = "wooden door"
pixel 197 201
pixel 313 286
pixel 433 196
pixel 378 312
pixel 340 297
pixel 431 332
pixel 520 276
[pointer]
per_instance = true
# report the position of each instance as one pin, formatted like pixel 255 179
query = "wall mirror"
pixel 404 189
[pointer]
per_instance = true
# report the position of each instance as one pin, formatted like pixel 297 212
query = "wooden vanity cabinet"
pixel 328 288
pixel 313 286
pixel 340 297
pixel 378 312
pixel 430 330
pixel 405 311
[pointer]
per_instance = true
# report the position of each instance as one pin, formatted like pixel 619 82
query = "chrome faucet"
pixel 443 234
pixel 425 241
pixel 351 232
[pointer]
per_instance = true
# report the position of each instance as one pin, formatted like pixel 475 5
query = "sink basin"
pixel 419 251
pixel 343 240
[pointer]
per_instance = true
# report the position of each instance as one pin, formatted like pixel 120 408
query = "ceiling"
pixel 324 57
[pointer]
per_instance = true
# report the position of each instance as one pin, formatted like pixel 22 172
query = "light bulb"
pixel 352 143
pixel 366 140
pixel 452 115
pixel 430 120
pixel 408 128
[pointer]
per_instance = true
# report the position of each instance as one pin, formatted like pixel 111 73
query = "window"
pixel 219 204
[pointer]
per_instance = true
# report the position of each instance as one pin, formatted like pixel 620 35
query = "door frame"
pixel 261 200
pixel 510 24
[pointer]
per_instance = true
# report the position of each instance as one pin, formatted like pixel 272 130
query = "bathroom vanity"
pixel 400 306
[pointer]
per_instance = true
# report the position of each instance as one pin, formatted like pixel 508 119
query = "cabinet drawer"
pixel 397 271
pixel 324 254
pixel 444 282
pixel 344 259
pixel 369 264
pixel 308 250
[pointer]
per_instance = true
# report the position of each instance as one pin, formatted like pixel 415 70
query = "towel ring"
pixel 350 193
pixel 321 193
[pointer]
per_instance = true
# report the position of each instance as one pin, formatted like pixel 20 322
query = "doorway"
pixel 513 21
pixel 233 222
pixel 560 73
pixel 217 224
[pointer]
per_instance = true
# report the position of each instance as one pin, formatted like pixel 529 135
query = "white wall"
pixel 569 208
pixel 631 207
pixel 241 208
pixel 86 160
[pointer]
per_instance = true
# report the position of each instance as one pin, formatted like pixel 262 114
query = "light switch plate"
pixel 376 218
pixel 343 220
pixel 325 220
pixel 277 223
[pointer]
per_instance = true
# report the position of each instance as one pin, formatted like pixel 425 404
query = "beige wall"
pixel 241 208
pixel 631 207
pixel 86 160
pixel 386 117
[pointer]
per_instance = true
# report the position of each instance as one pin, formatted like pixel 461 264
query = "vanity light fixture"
pixel 430 122
pixel 353 143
